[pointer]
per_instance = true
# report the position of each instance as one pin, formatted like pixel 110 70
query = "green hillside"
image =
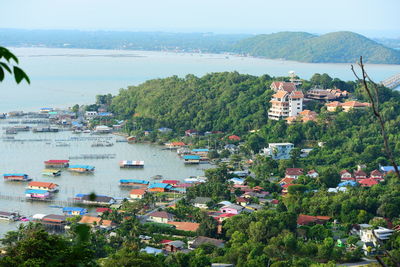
pixel 336 47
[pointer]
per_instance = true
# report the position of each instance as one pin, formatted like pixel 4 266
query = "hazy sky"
pixel 369 17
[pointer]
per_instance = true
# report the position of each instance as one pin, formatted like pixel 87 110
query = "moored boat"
pixel 22 177
pixel 131 164
pixel 51 172
pixel 81 168
pixel 56 163
pixel 9 216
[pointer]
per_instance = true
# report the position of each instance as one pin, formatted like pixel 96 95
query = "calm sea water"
pixel 28 157
pixel 64 77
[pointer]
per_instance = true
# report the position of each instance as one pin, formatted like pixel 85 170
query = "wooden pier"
pixel 392 82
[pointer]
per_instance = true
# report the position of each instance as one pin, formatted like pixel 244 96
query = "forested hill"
pixel 337 47
pixel 218 101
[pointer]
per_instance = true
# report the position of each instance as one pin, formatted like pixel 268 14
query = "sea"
pixel 63 77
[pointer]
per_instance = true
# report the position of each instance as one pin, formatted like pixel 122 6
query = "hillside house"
pixel 160 217
pixel 293 173
pixel 345 175
pixel 285 104
pixel 278 150
pixel 201 202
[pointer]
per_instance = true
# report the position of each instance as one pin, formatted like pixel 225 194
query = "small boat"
pixel 131 164
pixel 55 163
pixel 81 168
pixel 51 172
pixel 9 216
pixel 86 131
pixel 22 177
pixel 157 177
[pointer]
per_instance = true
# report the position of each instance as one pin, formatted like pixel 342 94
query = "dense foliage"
pixel 332 47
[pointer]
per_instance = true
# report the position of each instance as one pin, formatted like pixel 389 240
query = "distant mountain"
pixel 336 47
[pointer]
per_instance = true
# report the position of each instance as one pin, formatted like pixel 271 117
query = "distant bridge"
pixel 392 82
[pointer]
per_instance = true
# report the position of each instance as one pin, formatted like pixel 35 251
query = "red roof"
pixel 360 173
pixel 376 173
pixel 170 182
pixel 165 241
pixel 228 215
pixel 234 138
pixel 275 201
pixel 344 171
pixel 286 180
pixel 56 161
pixel 184 185
pixel 368 182
pixel 294 171
pixel 178 144
pixel 103 210
pixel 307 219
pixel 42 184
pixel 161 214
pixel 286 86
pixel 241 200
pixel 287 185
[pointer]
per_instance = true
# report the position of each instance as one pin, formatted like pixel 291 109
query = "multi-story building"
pixel 286 102
pixel 278 150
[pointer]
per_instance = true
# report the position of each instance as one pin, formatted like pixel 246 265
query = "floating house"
pixel 160 187
pixel 74 211
pixel 133 182
pixel 97 200
pixel 54 220
pixel 37 194
pixel 81 168
pixel 131 164
pixel 191 159
pixel 51 172
pixel 171 182
pixel 51 187
pixel 9 216
pixel 22 177
pixel 53 163
pixel 202 152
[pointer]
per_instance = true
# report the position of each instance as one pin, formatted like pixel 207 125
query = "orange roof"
pixel 42 184
pixel 280 94
pixel 137 192
pixel 307 112
pixel 286 86
pixel 355 104
pixel 368 182
pixel 178 144
pixel 286 181
pixel 97 220
pixel 234 137
pixel 297 94
pixel 185 226
pixel 307 219
pixel 333 104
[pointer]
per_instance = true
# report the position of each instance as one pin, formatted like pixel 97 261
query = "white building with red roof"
pixel 286 102
pixel 293 173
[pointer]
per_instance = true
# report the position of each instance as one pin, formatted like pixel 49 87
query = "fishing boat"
pixel 9 216
pixel 157 177
pixel 131 164
pixel 55 163
pixel 81 168
pixel 51 172
pixel 22 177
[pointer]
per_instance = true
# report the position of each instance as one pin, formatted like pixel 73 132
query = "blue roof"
pixel 133 181
pixel 200 150
pixel 160 185
pixel 88 167
pixel 66 209
pixel 104 114
pixel 347 183
pixel 15 174
pixel 191 157
pixel 80 195
pixel 36 191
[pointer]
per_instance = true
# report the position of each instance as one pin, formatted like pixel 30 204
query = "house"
pixel 137 193
pixel 174 246
pixel 285 104
pixel 101 211
pixel 159 187
pixel 359 175
pixel 201 202
pixel 278 150
pixel 312 174
pixel 304 116
pixel 375 174
pixel 223 216
pixel 293 173
pixel 96 222
pixel 307 219
pixel 133 182
pixel 185 226
pixel 376 236
pixel 326 94
pixel 151 250
pixel 90 114
pixel 235 209
pixel 200 240
pixel 237 181
pixel 242 201
pixel 102 129
pixel 368 182
pixel 160 217
pixel 175 145
pixel 37 194
pixel 191 132
pixel 74 211
pixel 345 175
pixel 51 187
pixel 347 106
pixel 234 138
pixel 171 182
pixel 191 159
pixel 286 180
pixel 54 220
pixel 97 200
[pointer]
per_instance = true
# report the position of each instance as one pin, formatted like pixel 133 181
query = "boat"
pixel 9 216
pixel 81 168
pixel 133 182
pixel 51 172
pixel 86 131
pixel 22 177
pixel 56 163
pixel 157 177
pixel 131 164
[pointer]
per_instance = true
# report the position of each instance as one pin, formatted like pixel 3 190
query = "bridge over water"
pixel 392 82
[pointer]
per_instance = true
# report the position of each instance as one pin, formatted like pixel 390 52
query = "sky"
pixel 373 18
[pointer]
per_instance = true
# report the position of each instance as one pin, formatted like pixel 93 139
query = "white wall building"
pixel 278 150
pixel 286 102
